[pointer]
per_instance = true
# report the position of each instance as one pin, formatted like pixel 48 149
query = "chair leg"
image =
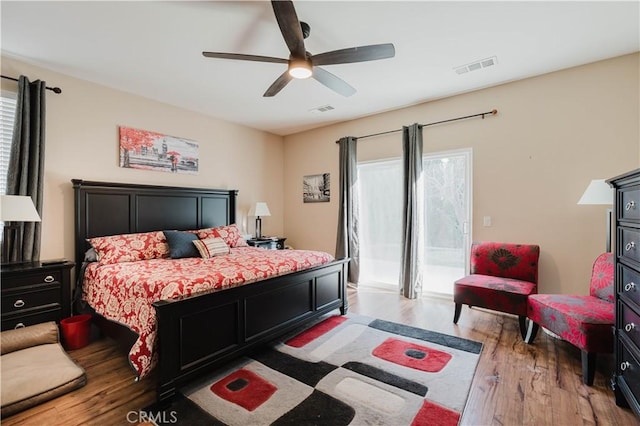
pixel 588 367
pixel 456 313
pixel 522 322
pixel 532 332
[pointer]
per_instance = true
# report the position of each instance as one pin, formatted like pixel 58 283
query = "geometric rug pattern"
pixel 345 370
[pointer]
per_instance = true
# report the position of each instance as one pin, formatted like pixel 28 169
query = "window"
pixel 447 211
pixel 7 116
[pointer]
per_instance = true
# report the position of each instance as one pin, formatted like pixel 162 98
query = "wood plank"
pixel 515 383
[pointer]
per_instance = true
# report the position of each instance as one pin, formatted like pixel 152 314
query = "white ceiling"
pixel 154 49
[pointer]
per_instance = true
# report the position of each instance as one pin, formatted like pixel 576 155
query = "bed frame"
pixel 201 332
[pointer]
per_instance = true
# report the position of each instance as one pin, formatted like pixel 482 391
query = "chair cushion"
pixel 33 375
pixel 601 285
pixel 500 294
pixel 517 261
pixel 583 321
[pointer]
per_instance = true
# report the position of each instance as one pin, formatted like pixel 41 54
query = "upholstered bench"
pixel 584 321
pixel 35 368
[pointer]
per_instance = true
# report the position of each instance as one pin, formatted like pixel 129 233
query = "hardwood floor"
pixel 514 384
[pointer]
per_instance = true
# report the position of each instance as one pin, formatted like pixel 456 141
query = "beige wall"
pixel 82 142
pixel 531 162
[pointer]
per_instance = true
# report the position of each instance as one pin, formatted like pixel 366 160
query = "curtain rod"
pixel 481 114
pixel 53 89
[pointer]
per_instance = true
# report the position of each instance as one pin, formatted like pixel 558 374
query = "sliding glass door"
pixel 380 194
pixel 447 177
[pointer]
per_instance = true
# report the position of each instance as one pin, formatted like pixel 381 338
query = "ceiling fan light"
pixel 300 69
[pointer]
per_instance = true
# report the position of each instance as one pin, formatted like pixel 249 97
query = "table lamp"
pixel 260 209
pixel 15 209
pixel 600 193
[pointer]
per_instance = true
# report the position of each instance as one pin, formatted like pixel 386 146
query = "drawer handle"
pixel 624 365
pixel 629 327
pixel 18 303
pixel 629 286
pixel 630 205
pixel 630 245
pixel 19 325
pixel 49 279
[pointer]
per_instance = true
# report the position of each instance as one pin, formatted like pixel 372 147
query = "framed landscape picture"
pixel 146 150
pixel 316 188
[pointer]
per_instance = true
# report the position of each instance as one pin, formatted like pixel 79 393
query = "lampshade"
pixel 261 209
pixel 598 192
pixel 18 208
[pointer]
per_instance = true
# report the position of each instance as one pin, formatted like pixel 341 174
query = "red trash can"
pixel 75 331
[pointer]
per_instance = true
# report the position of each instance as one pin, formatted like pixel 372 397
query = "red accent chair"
pixel 502 277
pixel 583 321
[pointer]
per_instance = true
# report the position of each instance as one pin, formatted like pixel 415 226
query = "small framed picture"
pixel 316 188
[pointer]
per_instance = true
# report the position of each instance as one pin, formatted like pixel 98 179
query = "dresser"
pixel 626 376
pixel 35 292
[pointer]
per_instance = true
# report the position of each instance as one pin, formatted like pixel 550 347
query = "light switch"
pixel 486 221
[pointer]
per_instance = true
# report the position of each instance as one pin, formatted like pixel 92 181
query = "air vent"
pixel 324 108
pixel 474 66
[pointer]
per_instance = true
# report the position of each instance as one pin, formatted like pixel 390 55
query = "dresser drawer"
pixel 32 278
pixel 30 297
pixel 629 284
pixel 36 316
pixel 629 208
pixel 629 370
pixel 629 243
pixel 629 323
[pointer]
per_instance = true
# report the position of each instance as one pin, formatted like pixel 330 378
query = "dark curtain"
pixel 26 162
pixel 413 207
pixel 348 244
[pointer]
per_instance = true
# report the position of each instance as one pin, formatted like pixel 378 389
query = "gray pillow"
pixel 181 244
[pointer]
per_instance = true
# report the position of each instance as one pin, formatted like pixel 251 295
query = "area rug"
pixel 345 370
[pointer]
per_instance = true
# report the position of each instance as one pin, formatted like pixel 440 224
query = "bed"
pixel 197 332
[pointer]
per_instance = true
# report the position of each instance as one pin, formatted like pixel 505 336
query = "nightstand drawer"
pixel 30 297
pixel 34 292
pixel 40 277
pixel 27 318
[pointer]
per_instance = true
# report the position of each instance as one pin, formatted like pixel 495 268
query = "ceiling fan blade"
pixel 278 85
pixel 241 57
pixel 355 54
pixel 289 27
pixel 332 82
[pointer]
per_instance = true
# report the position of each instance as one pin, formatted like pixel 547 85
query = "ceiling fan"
pixel 302 64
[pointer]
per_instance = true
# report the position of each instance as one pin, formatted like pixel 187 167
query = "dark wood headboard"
pixel 105 208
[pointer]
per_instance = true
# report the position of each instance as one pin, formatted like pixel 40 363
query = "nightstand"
pixel 275 243
pixel 34 292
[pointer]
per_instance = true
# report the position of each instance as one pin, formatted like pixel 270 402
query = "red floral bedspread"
pixel 124 292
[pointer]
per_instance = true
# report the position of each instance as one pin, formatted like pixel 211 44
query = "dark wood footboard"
pixel 199 333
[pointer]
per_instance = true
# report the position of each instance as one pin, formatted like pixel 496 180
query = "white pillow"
pixel 210 247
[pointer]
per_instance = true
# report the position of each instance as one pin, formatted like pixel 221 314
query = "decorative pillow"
pixel 181 244
pixel 130 247
pixel 210 247
pixel 90 255
pixel 230 234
